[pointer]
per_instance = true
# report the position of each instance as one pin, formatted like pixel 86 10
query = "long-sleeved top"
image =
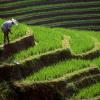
pixel 7 25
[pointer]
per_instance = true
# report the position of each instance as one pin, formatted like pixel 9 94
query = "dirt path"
pixel 65 41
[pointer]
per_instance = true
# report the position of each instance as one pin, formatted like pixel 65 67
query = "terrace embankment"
pixel 33 64
pixel 58 89
pixel 91 54
pixel 17 45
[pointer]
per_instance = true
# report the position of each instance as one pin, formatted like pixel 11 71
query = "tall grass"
pixel 90 91
pixel 46 39
pixel 51 38
pixel 60 69
pixel 80 41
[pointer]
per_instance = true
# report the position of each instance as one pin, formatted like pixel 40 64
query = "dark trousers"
pixel 6 35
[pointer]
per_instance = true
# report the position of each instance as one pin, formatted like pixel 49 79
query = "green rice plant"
pixel 17 31
pixel 51 38
pixel 94 34
pixel 57 70
pixel 90 91
pixel 79 42
pixel 46 39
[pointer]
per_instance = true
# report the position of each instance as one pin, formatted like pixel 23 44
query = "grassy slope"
pixel 61 68
pixel 90 91
pixel 51 38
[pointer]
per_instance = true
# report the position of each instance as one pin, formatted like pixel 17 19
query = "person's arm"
pixel 10 31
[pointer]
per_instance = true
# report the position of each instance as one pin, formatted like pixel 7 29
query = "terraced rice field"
pixel 77 14
pixel 58 53
pixel 47 59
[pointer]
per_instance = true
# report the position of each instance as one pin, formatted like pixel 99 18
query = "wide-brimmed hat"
pixel 14 21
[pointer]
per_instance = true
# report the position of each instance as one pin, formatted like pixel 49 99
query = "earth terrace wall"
pixel 28 66
pixel 33 64
pixel 59 89
pixel 17 45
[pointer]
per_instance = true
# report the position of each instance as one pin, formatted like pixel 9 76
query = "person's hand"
pixel 11 32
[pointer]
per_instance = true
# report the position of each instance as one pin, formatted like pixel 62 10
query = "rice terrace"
pixel 51 50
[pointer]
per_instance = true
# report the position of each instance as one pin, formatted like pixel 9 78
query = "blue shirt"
pixel 7 25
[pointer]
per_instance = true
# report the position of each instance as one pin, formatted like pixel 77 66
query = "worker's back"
pixel 6 25
pixel 6 29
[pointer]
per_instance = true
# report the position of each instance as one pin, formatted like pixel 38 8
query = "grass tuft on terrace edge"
pixel 89 92
pixel 57 70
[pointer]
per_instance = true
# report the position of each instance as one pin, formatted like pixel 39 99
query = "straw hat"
pixel 14 21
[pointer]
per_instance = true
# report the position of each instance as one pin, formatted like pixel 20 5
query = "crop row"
pixel 55 13
pixel 60 69
pixel 82 16
pixel 50 6
pixel 63 18
pixel 84 27
pixel 89 92
pixel 44 43
pixel 74 22
pixel 43 3
pixel 30 4
pixel 18 2
pixel 44 10
pixel 14 2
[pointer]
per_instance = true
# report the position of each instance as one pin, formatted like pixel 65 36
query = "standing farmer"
pixel 6 29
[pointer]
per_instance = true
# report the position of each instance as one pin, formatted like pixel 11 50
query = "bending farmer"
pixel 6 29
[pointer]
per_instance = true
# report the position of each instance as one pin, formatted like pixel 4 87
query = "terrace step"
pixel 32 3
pixel 28 66
pixel 68 21
pixel 74 24
pixel 17 45
pixel 55 7
pixel 95 27
pixel 46 15
pixel 62 86
pixel 92 53
pixel 9 1
pixel 40 19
